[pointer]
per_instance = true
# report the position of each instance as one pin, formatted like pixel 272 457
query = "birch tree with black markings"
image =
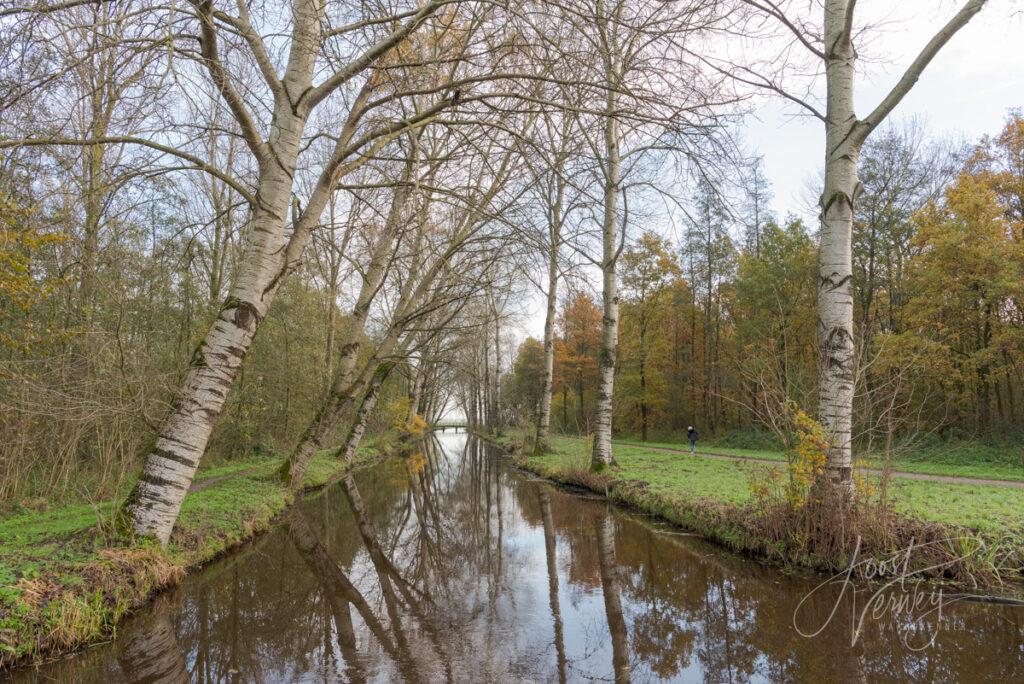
pixel 845 133
pixel 648 97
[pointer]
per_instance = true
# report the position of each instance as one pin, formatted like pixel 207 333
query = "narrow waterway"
pixel 450 565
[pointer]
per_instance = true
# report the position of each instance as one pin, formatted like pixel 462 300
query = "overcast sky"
pixel 967 90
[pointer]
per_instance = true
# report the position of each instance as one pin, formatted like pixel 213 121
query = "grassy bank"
pixel 716 499
pixel 66 579
pixel 956 459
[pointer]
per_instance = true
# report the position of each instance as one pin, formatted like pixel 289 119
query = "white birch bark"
pixel 602 455
pixel 342 395
pixel 844 137
pixel 268 256
pixel 555 212
pixel 153 506
pixel 835 266
pixel 369 402
pixel 343 388
pixel 544 408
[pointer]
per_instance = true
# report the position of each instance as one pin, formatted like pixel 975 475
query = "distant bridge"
pixel 449 425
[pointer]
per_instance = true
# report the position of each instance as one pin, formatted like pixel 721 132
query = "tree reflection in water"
pixel 447 565
pixel 150 653
pixel 612 599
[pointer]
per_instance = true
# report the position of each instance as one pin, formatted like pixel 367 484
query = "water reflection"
pixel 151 653
pixel 612 598
pixel 551 557
pixel 448 566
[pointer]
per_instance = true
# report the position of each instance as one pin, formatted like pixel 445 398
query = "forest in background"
pixel 249 247
pixel 718 329
pixel 157 199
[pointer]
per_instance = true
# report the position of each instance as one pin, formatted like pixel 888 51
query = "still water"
pixel 450 565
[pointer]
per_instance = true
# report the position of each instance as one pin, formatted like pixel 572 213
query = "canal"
pixel 451 565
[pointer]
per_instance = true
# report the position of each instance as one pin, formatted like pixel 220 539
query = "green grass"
pixel 976 531
pixel 66 578
pixel 667 472
pixel 990 508
pixel 958 460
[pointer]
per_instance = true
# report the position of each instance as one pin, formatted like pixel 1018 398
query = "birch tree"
pixel 301 84
pixel 557 195
pixel 845 134
pixel 655 101
pixel 441 238
pixel 270 253
pixel 340 392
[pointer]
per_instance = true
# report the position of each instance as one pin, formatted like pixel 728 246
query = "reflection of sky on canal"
pixel 338 592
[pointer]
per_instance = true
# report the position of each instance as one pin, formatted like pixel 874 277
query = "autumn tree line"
pixel 718 326
pixel 240 226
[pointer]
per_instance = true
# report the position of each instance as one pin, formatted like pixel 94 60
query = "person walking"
pixel 692 435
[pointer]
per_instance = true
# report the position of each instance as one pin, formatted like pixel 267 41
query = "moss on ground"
pixel 66 579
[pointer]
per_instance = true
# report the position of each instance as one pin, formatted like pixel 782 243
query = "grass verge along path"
pixel 945 462
pixel 781 459
pixel 714 497
pixel 66 579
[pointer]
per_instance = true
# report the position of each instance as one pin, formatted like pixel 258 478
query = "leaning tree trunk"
pixel 153 506
pixel 417 378
pixel 334 407
pixel 270 254
pixel 344 386
pixel 369 402
pixel 602 455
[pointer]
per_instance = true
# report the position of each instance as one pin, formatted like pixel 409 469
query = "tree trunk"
pixel 643 396
pixel 643 373
pixel 327 417
pixel 270 254
pixel 602 455
pixel 416 380
pixel 835 265
pixel 844 137
pixel 581 419
pixel 343 387
pixel 487 398
pixel 153 506
pixel 565 406
pixel 544 408
pixel 358 429
pixel 497 373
